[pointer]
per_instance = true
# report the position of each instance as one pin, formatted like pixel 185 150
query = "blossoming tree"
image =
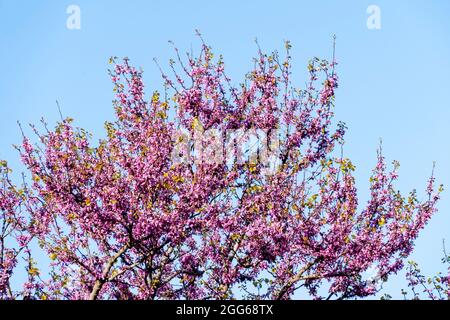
pixel 153 212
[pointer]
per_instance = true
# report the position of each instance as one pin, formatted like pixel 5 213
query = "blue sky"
pixel 393 81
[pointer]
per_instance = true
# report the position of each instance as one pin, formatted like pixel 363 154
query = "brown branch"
pixel 298 277
pixel 100 282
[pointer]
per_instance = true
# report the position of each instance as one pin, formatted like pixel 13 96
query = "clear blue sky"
pixel 393 81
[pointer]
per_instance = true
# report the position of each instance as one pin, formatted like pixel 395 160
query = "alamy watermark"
pixel 73 21
pixel 374 19
pixel 238 146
